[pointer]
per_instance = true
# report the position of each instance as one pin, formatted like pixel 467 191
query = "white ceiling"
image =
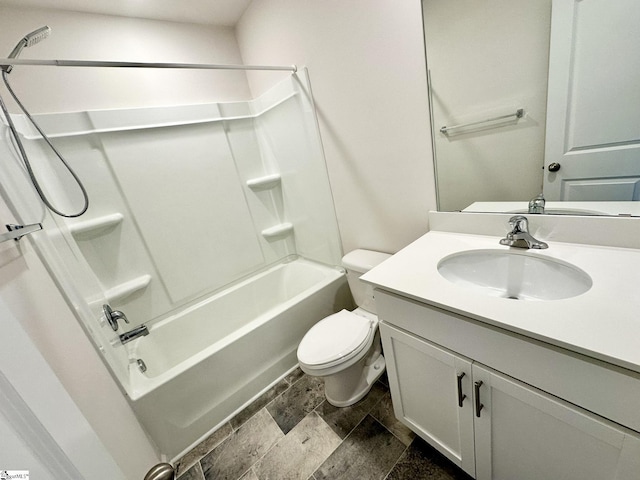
pixel 210 12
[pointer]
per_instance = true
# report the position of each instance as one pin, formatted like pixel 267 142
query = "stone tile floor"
pixel 292 432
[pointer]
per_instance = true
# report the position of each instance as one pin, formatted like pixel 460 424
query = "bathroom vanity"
pixel 535 388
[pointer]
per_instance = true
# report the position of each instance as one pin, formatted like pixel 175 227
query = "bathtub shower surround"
pixel 213 225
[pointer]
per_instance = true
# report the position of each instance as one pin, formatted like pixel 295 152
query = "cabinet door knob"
pixel 461 396
pixel 479 405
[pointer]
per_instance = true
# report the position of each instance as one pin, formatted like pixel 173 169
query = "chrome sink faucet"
pixel 519 235
pixel 536 204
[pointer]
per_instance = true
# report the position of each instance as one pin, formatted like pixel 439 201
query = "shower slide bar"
pixel 512 116
pixel 16 232
pixel 109 64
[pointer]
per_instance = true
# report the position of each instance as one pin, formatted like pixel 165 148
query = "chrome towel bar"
pixel 519 114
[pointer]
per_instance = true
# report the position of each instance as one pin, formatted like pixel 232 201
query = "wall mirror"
pixel 535 96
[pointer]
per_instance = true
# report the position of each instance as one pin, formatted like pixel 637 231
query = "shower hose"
pixel 27 163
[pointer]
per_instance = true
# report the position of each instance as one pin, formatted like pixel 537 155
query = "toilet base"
pixel 345 388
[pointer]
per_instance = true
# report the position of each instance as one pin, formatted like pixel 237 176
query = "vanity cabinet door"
pixel 431 390
pixel 526 434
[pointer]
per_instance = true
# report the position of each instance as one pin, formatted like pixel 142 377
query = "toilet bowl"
pixel 345 348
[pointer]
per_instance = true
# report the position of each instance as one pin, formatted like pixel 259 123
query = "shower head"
pixel 37 35
pixel 28 40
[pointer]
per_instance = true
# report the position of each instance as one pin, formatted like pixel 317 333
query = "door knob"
pixel 554 167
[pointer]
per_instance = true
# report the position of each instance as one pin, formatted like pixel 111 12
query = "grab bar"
pixel 16 232
pixel 519 114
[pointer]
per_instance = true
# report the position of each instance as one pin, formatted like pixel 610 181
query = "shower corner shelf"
pixel 125 289
pixel 264 183
pixel 280 230
pixel 96 226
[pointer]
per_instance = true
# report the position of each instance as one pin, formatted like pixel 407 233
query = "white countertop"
pixel 603 323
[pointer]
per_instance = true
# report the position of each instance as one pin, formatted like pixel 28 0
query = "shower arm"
pixel 109 64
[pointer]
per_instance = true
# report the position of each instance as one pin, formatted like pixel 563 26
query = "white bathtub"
pixel 206 363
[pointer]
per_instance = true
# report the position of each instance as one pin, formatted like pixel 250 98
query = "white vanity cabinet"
pixel 492 401
pixel 524 433
pixel 427 384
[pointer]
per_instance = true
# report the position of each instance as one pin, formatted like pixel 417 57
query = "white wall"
pixel 77 36
pixel 367 69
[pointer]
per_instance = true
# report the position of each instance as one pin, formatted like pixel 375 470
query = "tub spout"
pixel 140 331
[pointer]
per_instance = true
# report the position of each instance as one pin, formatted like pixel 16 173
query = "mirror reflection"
pixel 535 106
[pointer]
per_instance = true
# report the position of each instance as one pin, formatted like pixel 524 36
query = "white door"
pixel 593 110
pixel 431 393
pixel 525 434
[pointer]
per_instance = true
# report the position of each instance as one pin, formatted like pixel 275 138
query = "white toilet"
pixel 345 347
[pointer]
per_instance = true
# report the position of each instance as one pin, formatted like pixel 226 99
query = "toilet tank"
pixel 358 263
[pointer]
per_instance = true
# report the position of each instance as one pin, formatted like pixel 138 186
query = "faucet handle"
pixel 519 223
pixel 113 316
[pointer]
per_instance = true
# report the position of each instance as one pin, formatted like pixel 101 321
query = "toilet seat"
pixel 336 339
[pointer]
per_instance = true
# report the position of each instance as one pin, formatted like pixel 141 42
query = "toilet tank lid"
pixel 362 260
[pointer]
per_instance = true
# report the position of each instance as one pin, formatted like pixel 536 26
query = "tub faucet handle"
pixel 113 316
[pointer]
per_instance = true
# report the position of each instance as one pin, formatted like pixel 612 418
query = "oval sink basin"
pixel 514 275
